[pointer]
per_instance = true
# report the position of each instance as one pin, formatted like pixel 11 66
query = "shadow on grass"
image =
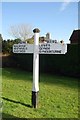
pixel 27 105
pixel 16 74
pixel 6 116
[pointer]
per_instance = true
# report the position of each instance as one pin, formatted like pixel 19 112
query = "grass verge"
pixel 58 95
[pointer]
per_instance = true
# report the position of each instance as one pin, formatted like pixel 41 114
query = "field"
pixel 58 95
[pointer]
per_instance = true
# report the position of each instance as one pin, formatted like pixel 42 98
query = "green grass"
pixel 58 95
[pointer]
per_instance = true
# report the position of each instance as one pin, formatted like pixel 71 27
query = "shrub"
pixel 67 64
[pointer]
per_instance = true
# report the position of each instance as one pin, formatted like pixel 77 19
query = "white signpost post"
pixel 36 49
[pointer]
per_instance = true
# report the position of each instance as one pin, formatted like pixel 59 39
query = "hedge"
pixel 67 64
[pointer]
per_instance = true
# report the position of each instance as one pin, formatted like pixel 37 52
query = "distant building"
pixel 48 36
pixel 42 39
pixel 75 37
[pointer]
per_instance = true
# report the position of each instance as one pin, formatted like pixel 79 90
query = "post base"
pixel 34 99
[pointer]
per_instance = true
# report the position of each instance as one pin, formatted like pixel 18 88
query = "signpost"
pixel 42 48
pixel 36 49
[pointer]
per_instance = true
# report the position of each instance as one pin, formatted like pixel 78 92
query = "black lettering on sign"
pixel 40 48
pixel 15 50
pixel 57 51
pixel 44 47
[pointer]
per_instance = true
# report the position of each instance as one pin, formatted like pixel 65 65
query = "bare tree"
pixel 21 31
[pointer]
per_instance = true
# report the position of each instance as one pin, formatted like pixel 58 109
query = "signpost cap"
pixel 36 30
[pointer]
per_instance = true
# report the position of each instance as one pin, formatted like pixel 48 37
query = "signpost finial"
pixel 36 30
